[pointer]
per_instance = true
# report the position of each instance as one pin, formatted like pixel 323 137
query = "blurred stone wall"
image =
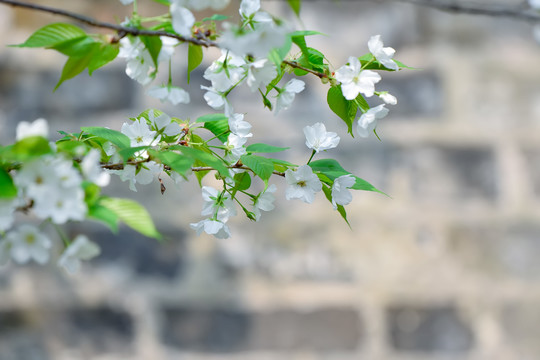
pixel 446 268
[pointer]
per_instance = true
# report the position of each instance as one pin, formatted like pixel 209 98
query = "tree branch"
pixel 122 30
pixel 519 12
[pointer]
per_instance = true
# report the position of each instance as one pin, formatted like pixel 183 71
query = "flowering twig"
pixel 122 30
pixel 294 64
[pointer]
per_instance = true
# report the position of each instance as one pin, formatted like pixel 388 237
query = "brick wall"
pixel 444 269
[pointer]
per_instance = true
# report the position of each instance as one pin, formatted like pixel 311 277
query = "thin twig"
pixel 298 66
pixel 96 23
pixel 519 12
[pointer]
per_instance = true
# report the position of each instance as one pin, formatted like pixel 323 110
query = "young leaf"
pixel 219 128
pixel 53 34
pixel 6 184
pixel 32 146
pixel 105 215
pixel 133 215
pixel 115 137
pixel 102 56
pixel 211 117
pixel 153 44
pixel 264 148
pixel 195 57
pixel 75 47
pixel 242 181
pixel 295 6
pixel 261 166
pixel 128 153
pixel 74 66
pixel 179 163
pixel 206 159
pixel 216 17
pixel 342 107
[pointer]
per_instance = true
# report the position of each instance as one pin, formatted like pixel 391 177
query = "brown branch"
pixel 294 64
pixel 519 12
pixel 122 30
pixel 120 166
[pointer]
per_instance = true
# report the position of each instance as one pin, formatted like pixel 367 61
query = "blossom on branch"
pixel 382 54
pixel 318 139
pixel 303 184
pixel 354 80
pixel 80 249
pixel 340 193
pixel 38 127
pixel 27 243
pixel 172 94
pixel 287 94
pixel 368 121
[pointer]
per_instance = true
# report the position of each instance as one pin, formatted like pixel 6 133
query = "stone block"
pixel 225 330
pixel 438 329
pixel 453 174
pixel 499 249
pixel 147 257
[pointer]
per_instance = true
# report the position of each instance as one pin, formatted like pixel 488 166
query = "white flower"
pixel 238 126
pixel 368 121
pixel 265 201
pixel 303 184
pixel 167 48
pixel 163 124
pixel 182 19
pixel 126 2
pixel 318 139
pixel 139 62
pixel 28 243
pixel 172 94
pixel 340 193
pixel 92 171
pixel 354 80
pixel 286 97
pixel 249 7
pixel 225 71
pixel 260 73
pixel 80 249
pixel 235 147
pixel 265 37
pixel 37 177
pixel 38 127
pixel 61 206
pixel 139 133
pixel 212 227
pixel 382 54
pixel 217 100
pixel 535 4
pixel 388 98
pixel 220 207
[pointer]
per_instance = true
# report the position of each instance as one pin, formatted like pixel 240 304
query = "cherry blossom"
pixel 303 184
pixel 286 96
pixel 172 94
pixel 27 243
pixel 382 54
pixel 38 127
pixel 354 80
pixel 80 249
pixel 182 19
pixel 265 201
pixel 318 139
pixel 340 193
pixel 368 121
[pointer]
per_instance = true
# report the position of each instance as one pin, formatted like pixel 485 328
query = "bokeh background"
pixel 447 268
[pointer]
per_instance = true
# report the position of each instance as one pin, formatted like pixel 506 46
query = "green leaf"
pixel 7 187
pixel 362 102
pixel 264 148
pixel 211 117
pixel 164 2
pixel 133 215
pixel 102 56
pixel 295 6
pixel 340 208
pixel 195 57
pixel 115 137
pixel 219 128
pixel 29 147
pixel 53 34
pixel 242 181
pixel 206 159
pixel 261 166
pixel 73 67
pixel 128 153
pixel 332 170
pixel 277 55
pixel 153 44
pixel 105 215
pixel 216 17
pixel 76 47
pixel 342 107
pixel 179 163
